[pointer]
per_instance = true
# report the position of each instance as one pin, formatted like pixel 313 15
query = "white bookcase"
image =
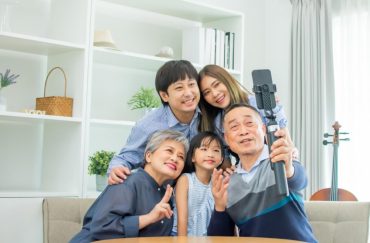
pixel 45 156
pixel 38 151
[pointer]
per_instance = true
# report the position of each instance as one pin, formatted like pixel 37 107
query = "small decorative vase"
pixel 2 102
pixel 101 182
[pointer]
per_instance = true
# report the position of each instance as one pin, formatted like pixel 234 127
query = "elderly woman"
pixel 139 206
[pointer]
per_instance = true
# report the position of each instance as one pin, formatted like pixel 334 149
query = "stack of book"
pixel 208 46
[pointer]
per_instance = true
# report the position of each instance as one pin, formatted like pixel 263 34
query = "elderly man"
pixel 250 198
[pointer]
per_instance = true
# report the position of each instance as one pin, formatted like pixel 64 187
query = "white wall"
pixel 267 40
pixel 278 51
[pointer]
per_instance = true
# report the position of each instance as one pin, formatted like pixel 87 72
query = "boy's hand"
pixel 118 175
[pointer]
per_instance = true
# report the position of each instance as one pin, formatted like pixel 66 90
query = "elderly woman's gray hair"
pixel 159 137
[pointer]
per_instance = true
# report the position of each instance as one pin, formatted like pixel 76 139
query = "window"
pixel 351 51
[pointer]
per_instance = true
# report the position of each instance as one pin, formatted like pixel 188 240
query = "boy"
pixel 176 84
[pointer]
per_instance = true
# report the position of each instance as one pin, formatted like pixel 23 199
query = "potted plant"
pixel 144 98
pixel 98 166
pixel 5 80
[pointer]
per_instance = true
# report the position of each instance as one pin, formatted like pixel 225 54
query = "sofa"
pixel 332 222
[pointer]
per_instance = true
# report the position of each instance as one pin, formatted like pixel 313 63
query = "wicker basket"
pixel 55 105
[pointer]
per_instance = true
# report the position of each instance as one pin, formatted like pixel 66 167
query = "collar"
pixel 172 120
pixel 149 177
pixel 263 156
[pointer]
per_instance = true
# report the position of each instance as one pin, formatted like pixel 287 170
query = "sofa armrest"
pixel 62 218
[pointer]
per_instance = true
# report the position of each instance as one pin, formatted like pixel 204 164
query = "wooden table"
pixel 206 239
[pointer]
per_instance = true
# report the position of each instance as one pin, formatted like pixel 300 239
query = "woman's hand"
pixel 160 210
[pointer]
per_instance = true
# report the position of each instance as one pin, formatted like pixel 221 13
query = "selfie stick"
pixel 264 90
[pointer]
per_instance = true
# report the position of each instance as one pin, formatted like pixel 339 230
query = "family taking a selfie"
pixel 199 165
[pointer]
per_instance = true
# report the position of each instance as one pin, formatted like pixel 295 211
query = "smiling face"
pixel 208 156
pixel 215 92
pixel 166 162
pixel 183 97
pixel 244 131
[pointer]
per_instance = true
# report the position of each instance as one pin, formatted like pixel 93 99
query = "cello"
pixel 334 193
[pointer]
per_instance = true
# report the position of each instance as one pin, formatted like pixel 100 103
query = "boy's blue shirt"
pixel 132 154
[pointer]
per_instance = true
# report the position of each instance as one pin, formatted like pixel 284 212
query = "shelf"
pixel 186 9
pixel 20 117
pixel 128 59
pixel 112 122
pixel 35 45
pixel 136 60
pixel 135 13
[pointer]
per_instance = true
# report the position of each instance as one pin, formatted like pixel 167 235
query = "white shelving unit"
pixel 47 156
pixel 41 156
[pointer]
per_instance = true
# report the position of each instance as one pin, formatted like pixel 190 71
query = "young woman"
pixel 194 200
pixel 219 89
pixel 140 206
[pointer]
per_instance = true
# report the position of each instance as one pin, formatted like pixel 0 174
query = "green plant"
pixel 99 162
pixel 144 98
pixel 6 80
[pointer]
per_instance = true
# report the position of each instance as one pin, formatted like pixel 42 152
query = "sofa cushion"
pixel 339 222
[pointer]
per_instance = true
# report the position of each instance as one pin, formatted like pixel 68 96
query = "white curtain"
pixel 312 87
pixel 351 49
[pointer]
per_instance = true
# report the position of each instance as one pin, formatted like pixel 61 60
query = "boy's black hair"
pixel 173 71
pixel 195 143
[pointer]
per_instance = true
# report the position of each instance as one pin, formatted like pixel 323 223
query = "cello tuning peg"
pixel 344 133
pixel 326 142
pixel 327 135
pixel 344 139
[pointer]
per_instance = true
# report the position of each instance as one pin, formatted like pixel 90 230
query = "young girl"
pixel 141 205
pixel 194 200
